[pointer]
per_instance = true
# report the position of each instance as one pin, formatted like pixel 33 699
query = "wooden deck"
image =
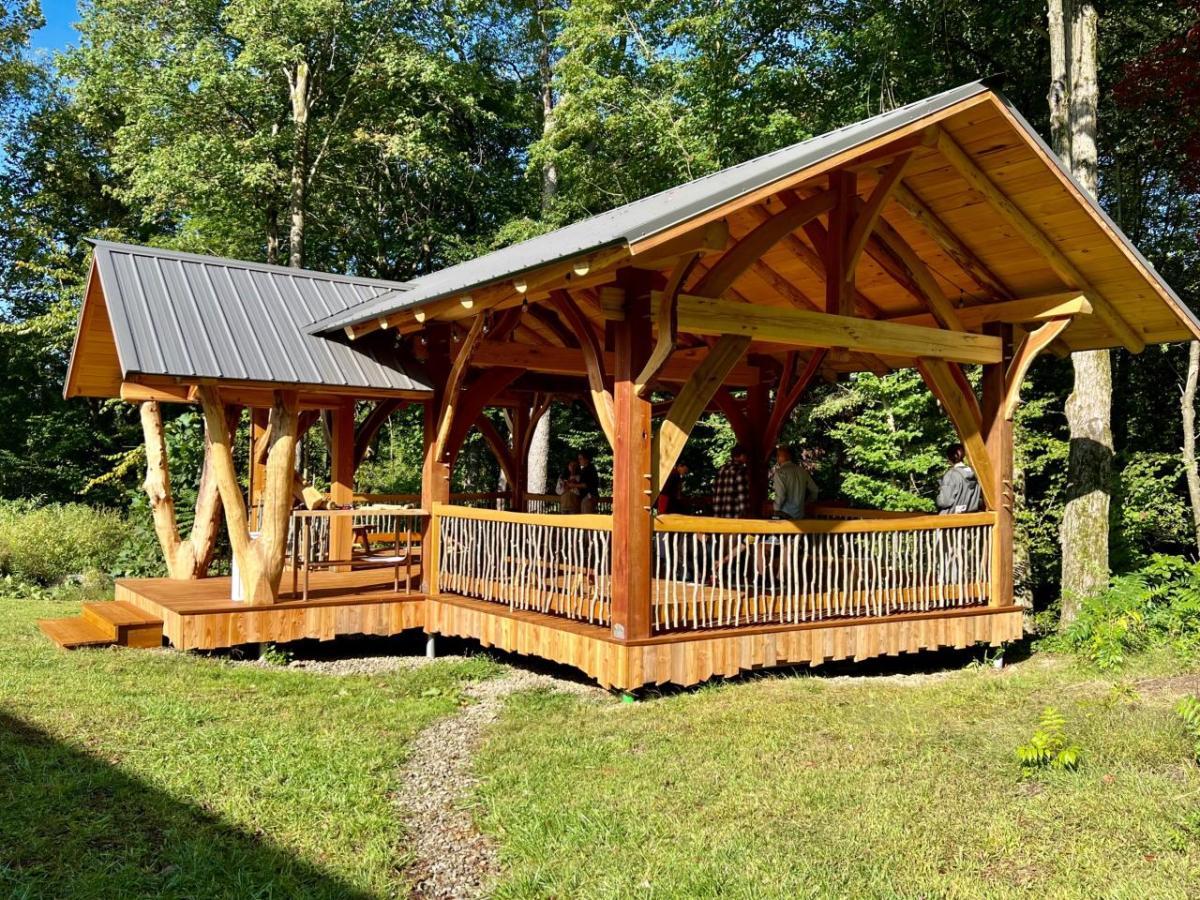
pixel 691 657
pixel 198 615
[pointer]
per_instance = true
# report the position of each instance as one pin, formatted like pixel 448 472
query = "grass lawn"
pixel 811 786
pixel 135 773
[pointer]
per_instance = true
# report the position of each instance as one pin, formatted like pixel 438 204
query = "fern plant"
pixel 1189 711
pixel 1049 747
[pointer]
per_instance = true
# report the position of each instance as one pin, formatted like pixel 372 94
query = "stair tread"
pixel 74 631
pixel 121 614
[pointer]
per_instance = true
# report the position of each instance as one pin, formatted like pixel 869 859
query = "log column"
pixel 998 435
pixel 632 466
pixel 341 480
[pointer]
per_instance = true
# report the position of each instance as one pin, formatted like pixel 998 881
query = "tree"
pixel 1074 113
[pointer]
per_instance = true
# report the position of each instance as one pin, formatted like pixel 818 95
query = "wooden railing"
pixel 556 564
pixel 836 511
pixel 379 537
pixel 476 499
pixel 727 572
pixel 552 503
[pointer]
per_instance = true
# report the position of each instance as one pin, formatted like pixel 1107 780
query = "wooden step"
pixel 125 624
pixel 73 632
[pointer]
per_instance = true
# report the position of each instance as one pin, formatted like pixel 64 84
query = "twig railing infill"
pixel 555 564
pixel 724 572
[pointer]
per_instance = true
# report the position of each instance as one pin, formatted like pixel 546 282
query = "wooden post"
pixel 258 463
pixel 520 465
pixel 998 434
pixel 632 467
pixel 341 481
pixel 435 488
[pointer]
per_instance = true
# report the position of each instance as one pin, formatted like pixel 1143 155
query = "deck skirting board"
pixel 722 654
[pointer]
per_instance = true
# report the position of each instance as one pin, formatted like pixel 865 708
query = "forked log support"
pixel 260 561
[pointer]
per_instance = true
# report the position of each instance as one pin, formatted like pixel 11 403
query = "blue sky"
pixel 60 16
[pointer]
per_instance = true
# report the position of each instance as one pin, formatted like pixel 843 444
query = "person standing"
pixel 794 487
pixel 731 493
pixel 589 483
pixel 959 491
pixel 671 499
pixel 568 488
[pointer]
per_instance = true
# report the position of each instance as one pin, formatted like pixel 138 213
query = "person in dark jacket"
pixel 589 483
pixel 959 491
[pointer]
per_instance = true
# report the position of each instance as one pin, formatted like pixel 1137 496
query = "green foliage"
pixel 1151 506
pixel 1188 710
pixel 1157 606
pixel 1049 747
pixel 50 543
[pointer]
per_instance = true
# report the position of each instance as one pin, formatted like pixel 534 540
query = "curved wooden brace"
pixel 963 412
pixel 365 433
pixel 454 383
pixel 499 448
pixel 667 322
pixel 472 402
pixel 742 255
pixel 1027 350
pixel 869 212
pixel 695 395
pixel 593 355
pixel 789 393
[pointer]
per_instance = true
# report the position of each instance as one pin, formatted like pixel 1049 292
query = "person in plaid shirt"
pixel 731 494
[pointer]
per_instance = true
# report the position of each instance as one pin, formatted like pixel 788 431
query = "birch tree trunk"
pixel 1188 410
pixel 1074 114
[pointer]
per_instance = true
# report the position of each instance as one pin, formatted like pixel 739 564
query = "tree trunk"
pixel 184 559
pixel 299 180
pixel 1189 435
pixel 260 561
pixel 1073 102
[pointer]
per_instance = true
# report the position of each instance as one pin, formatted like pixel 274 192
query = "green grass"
pixel 130 773
pixel 806 786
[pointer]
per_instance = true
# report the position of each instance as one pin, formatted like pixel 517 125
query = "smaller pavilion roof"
pixel 152 312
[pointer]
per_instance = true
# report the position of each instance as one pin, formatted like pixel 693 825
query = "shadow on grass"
pixel 72 825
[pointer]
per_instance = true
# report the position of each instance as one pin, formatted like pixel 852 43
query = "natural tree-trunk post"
pixel 184 559
pixel 1074 111
pixel 341 480
pixel 1188 411
pixel 260 561
pixel 632 468
pixel 998 433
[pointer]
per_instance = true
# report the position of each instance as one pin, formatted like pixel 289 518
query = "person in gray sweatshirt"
pixel 959 490
pixel 792 484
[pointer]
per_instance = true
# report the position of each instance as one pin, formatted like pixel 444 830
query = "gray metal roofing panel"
pixel 188 316
pixel 641 218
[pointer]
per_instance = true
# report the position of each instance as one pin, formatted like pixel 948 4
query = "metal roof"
pixel 189 316
pixel 650 215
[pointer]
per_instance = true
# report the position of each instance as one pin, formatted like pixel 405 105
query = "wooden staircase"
pixel 103 625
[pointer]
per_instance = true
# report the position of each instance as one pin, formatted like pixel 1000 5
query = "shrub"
pixel 48 544
pixel 1157 606
pixel 1189 713
pixel 1049 747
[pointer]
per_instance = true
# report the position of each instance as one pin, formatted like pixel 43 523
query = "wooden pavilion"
pixel 939 236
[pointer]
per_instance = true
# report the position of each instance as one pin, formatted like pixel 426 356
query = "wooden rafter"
pixel 916 270
pixel 1027 350
pixel 1063 267
pixel 593 355
pixel 1014 312
pixel 870 211
pixel 962 407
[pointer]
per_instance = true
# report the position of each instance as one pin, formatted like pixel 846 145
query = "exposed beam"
pixel 801 328
pixel 710 238
pixel 1014 312
pixel 920 275
pixel 1058 261
pixel 571 361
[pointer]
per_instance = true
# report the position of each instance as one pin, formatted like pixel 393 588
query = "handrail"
pixel 416 498
pixel 833 510
pixel 382 509
pixel 707 525
pixel 592 521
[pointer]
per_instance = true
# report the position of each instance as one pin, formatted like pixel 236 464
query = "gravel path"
pixel 453 860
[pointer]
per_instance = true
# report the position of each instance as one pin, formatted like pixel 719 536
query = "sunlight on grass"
pixel 137 773
pixel 802 786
